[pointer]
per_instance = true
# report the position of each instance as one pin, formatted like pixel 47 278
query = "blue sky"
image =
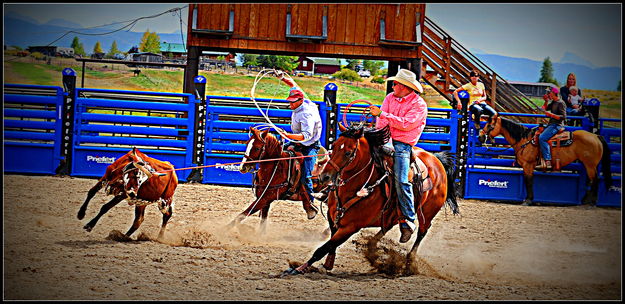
pixel 534 31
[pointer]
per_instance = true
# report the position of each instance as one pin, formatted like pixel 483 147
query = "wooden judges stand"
pixel 398 33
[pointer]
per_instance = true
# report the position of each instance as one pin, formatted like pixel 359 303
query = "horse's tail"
pixel 606 163
pixel 448 159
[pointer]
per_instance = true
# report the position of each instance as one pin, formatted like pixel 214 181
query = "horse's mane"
pixel 516 130
pixel 375 137
pixel 272 145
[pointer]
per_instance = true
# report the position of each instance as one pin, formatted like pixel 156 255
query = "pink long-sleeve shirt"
pixel 406 117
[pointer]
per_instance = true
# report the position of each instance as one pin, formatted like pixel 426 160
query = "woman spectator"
pixel 571 81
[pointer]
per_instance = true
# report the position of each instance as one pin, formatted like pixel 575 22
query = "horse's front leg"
pixel 341 235
pixel 329 263
pixel 264 213
pixel 105 208
pixel 255 206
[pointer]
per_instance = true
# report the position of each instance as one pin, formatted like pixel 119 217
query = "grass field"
pixel 106 76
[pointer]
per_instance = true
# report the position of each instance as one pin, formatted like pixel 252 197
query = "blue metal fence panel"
pixel 498 163
pixel 108 123
pixel 440 132
pixel 227 130
pixel 32 128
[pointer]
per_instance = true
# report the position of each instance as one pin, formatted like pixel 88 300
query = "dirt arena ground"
pixel 493 251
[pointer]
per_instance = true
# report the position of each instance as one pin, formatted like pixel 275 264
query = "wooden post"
pixel 493 91
pixel 192 69
pixel 393 68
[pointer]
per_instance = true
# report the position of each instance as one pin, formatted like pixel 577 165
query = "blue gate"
pixel 32 128
pixel 108 123
pixel 228 120
pixel 440 133
pixel 492 173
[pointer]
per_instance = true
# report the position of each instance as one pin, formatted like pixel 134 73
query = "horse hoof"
pixel 80 215
pixel 311 213
pixel 88 228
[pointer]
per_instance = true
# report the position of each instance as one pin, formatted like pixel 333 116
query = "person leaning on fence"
pixel 555 109
pixel 306 127
pixel 565 90
pixel 477 99
pixel 405 112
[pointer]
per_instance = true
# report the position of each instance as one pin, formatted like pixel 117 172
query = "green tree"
pixel 351 64
pixel 113 50
pixel 286 63
pixel 249 59
pixel 150 42
pixel 347 74
pixel 97 48
pixel 546 72
pixel 372 66
pixel 79 49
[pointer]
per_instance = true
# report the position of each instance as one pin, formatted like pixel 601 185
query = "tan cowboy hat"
pixel 407 78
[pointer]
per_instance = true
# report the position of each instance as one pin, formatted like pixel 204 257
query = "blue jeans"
pixel 308 165
pixel 573 112
pixel 481 108
pixel 549 131
pixel 401 167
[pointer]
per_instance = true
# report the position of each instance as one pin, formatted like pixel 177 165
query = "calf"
pixel 133 177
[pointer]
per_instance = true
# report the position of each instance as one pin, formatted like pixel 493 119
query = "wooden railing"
pixel 451 63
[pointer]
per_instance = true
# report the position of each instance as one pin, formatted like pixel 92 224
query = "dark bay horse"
pixel 275 180
pixel 587 147
pixel 355 164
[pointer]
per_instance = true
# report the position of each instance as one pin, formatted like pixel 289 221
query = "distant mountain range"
pixel 522 69
pixel 23 32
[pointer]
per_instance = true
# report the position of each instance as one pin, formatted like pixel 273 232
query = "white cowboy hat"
pixel 408 78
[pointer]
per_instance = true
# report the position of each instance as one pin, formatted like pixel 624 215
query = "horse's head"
pixel 134 174
pixel 491 129
pixel 255 149
pixel 320 164
pixel 343 153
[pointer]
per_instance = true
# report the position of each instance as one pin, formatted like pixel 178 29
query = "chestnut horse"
pixel 587 147
pixel 275 180
pixel 363 193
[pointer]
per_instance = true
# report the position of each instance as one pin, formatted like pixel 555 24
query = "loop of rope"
pixel 346 109
pixel 261 74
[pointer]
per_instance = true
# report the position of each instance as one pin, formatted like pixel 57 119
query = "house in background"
pixel 317 65
pixel 53 51
pixel 173 51
pixel 532 89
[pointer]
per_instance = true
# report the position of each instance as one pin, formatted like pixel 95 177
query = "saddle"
pixel 294 175
pixel 418 175
pixel 561 139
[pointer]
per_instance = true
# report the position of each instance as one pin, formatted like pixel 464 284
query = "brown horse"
pixel 275 180
pixel 587 147
pixel 363 194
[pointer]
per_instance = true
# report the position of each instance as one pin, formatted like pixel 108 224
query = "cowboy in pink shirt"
pixel 405 112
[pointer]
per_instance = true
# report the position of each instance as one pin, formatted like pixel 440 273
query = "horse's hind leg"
pixel 593 180
pixel 92 192
pixel 412 255
pixel 105 208
pixel 139 212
